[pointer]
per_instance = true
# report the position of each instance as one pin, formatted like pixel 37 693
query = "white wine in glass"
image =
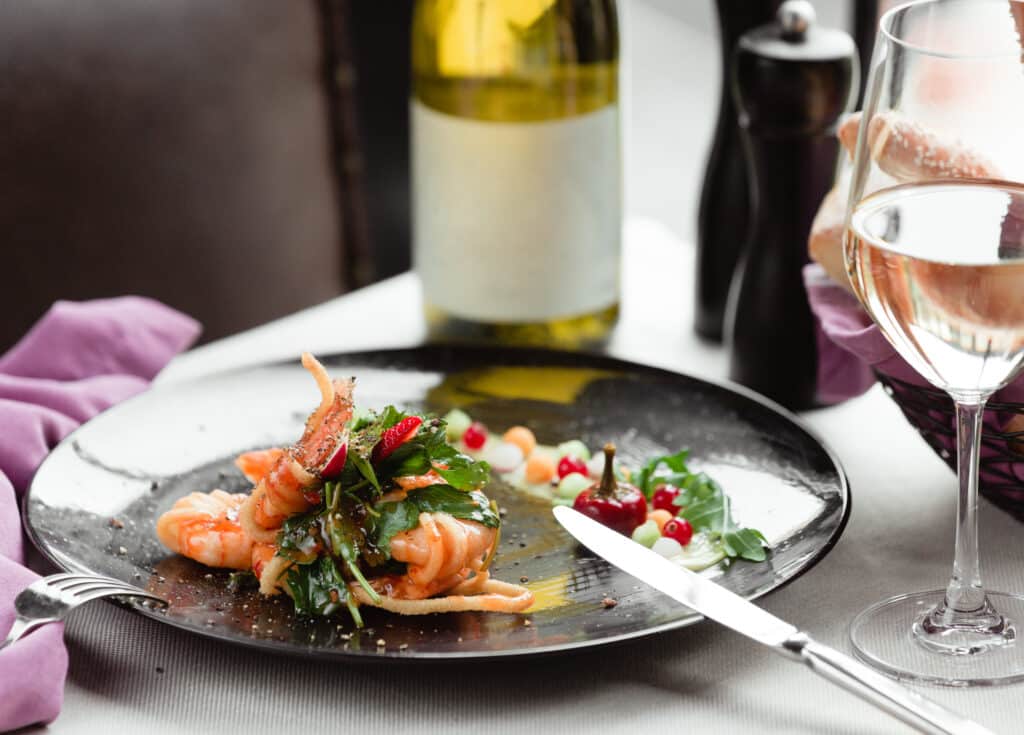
pixel 935 252
pixel 940 267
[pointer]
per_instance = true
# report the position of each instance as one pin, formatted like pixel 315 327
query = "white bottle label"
pixel 517 222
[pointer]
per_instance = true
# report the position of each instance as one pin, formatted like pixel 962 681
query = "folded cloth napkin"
pixel 79 359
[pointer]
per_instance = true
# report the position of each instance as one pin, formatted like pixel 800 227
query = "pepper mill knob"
pixel 793 78
pixel 795 17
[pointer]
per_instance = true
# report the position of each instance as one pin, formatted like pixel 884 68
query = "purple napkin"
pixel 850 346
pixel 79 359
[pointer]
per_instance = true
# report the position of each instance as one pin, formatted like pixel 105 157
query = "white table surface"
pixel 132 674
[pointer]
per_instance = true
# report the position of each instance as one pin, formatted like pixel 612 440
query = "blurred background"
pixel 243 159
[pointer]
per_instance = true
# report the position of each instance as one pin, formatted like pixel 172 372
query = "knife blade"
pixel 725 607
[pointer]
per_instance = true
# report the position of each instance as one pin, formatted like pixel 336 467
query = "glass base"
pixel 906 638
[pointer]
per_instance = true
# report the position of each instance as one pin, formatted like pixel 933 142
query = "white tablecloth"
pixel 132 674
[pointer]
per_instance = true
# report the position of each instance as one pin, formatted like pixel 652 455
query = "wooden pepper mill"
pixel 792 83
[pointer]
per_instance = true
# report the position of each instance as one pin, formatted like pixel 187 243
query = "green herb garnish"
pixel 317 588
pixel 404 514
pixel 703 503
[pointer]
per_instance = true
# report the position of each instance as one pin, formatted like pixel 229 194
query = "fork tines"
pixel 92 585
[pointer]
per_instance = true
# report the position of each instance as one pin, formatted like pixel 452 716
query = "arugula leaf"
pixel 471 506
pixel 405 514
pixel 706 506
pixel 666 468
pixel 376 422
pixel 696 487
pixel 745 543
pixel 317 588
pixel 361 418
pixel 708 514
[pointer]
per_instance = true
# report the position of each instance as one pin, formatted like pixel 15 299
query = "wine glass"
pixel 935 250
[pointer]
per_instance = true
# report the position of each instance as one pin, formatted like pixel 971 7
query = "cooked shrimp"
pixel 268 568
pixel 441 553
pixel 410 482
pixel 442 548
pixel 205 527
pixel 290 482
pixel 414 482
pixel 257 464
pixel 400 587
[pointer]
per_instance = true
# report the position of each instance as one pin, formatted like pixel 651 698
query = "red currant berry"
pixel 475 436
pixel 567 465
pixel 678 529
pixel 663 496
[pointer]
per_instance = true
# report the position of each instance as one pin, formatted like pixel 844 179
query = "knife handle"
pixel 904 704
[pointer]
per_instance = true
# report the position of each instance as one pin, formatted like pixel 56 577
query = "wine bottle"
pixel 516 168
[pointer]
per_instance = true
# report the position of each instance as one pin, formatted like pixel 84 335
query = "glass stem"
pixel 965 593
pixel 965 622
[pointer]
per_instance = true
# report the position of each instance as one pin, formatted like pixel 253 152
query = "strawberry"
pixel 395 437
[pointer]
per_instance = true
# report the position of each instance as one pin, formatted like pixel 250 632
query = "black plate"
pixel 93 503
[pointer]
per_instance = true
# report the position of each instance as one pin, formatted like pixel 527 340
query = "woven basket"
pixel 932 413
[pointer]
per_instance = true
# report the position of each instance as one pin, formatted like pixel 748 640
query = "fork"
pixel 50 599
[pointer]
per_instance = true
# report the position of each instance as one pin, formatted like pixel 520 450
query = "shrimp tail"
pixel 324 383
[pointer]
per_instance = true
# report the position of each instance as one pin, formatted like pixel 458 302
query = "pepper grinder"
pixel 866 14
pixel 792 83
pixel 722 221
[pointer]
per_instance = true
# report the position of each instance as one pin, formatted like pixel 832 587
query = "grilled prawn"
pixel 205 527
pixel 288 481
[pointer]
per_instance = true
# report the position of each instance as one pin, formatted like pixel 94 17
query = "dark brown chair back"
pixel 199 152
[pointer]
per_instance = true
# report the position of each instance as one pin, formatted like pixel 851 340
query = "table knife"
pixel 725 607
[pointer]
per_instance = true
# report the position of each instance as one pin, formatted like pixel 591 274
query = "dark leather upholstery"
pixel 381 49
pixel 180 149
